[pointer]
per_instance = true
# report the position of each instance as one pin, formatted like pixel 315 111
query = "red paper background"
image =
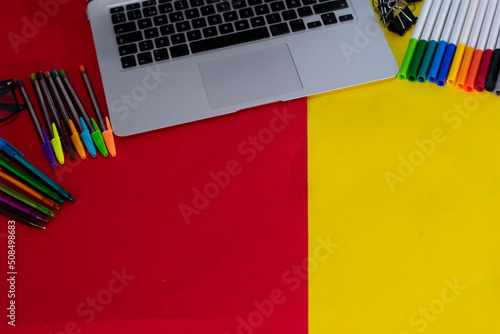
pixel 240 249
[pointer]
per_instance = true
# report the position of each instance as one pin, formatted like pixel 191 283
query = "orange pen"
pixel 28 190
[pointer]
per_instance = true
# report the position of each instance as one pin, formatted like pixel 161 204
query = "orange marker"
pixel 28 190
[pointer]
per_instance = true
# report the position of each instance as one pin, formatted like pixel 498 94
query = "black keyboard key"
pixel 210 32
pixel 214 19
pixel 257 21
pixel 133 6
pixel 179 51
pixel 226 28
pixel 230 16
pixel 228 40
pixel 314 24
pixel 237 4
pixel 149 11
pixel 196 3
pixel 116 10
pixel 194 35
pixel 254 2
pixel 125 27
pixel 223 6
pixel 160 20
pixel 192 13
pixel 309 2
pixel 182 26
pixel 328 18
pixel 126 50
pixel 134 15
pixel 199 22
pixel 207 10
pixel 278 6
pixel 246 12
pixel 118 18
pixel 164 1
pixel 131 37
pixel 329 6
pixel 144 58
pixel 151 33
pixel 273 18
pixel 242 25
pixel 178 39
pixel 212 1
pixel 292 3
pixel 128 61
pixel 262 10
pixel 167 29
pixel 161 42
pixel 146 46
pixel 279 29
pixel 181 4
pixel 145 23
pixel 176 17
pixel 305 11
pixel 297 25
pixel 149 3
pixel 344 18
pixel 166 8
pixel 289 15
pixel 160 54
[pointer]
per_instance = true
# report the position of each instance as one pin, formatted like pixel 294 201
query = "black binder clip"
pixel 395 14
pixel 402 21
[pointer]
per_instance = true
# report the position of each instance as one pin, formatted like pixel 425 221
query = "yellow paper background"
pixel 397 250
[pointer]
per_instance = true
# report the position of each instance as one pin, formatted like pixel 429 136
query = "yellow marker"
pixel 56 145
pixel 455 65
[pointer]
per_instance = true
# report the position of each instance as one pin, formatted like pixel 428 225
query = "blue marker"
pixel 87 139
pixel 13 153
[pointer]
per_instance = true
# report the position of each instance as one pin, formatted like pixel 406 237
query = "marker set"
pixel 456 42
pixel 68 127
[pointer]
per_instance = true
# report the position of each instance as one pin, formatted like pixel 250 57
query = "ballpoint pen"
pixel 26 201
pixel 21 208
pixel 84 133
pixel 5 164
pixel 75 138
pixel 17 156
pixel 18 216
pixel 55 140
pixel 29 190
pixel 107 131
pixel 42 134
pixel 84 116
pixel 55 117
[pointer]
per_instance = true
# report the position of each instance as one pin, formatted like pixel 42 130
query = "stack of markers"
pixel 456 42
pixel 36 193
pixel 68 127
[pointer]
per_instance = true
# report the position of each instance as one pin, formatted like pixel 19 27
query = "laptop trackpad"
pixel 249 76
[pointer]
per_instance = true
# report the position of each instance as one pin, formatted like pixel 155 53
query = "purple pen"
pixel 23 209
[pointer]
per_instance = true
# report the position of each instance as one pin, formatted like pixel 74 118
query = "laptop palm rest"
pixel 249 76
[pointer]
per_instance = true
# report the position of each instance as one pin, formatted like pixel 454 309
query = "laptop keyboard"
pixel 159 30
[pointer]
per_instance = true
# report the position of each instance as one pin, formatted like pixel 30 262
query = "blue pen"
pixel 13 153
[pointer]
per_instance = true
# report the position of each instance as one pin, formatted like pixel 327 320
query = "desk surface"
pixel 387 193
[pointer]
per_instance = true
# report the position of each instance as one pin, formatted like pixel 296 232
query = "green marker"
pixel 4 163
pixel 23 199
pixel 417 60
pixel 98 139
pixel 415 37
pixel 426 62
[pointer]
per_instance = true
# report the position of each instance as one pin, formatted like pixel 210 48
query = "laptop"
pixel 170 62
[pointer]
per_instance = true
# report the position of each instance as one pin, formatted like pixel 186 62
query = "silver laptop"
pixel 170 62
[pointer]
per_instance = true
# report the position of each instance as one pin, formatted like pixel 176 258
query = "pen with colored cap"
pixel 480 46
pixel 462 43
pixel 5 164
pixel 449 53
pixel 55 117
pixel 18 216
pixel 433 42
pixel 74 124
pixel 107 132
pixel 21 208
pixel 484 78
pixel 28 190
pixel 25 200
pixel 55 141
pixel 84 117
pixel 443 42
pixel 14 154
pixel 42 134
pixel 415 37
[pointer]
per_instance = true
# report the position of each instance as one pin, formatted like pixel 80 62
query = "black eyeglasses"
pixel 9 105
